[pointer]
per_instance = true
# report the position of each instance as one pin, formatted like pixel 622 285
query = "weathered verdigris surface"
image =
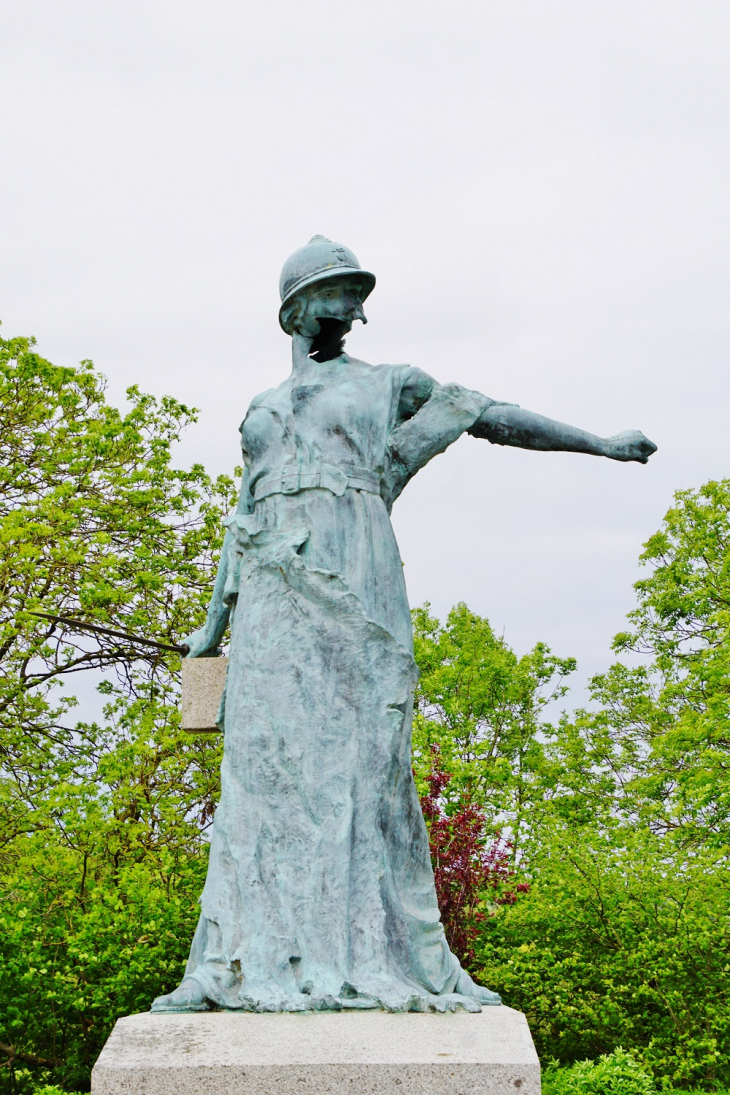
pixel 320 892
pixel 320 885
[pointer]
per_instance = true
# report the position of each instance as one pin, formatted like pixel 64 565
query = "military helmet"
pixel 319 260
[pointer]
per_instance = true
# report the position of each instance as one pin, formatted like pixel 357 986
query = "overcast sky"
pixel 542 188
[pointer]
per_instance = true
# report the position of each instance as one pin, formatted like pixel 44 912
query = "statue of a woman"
pixel 320 892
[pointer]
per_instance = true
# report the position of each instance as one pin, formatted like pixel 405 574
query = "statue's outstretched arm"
pixel 507 424
pixel 204 642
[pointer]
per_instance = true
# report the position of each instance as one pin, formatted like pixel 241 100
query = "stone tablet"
pixel 203 681
pixel 342 1053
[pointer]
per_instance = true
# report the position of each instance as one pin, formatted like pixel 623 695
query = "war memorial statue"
pixel 320 893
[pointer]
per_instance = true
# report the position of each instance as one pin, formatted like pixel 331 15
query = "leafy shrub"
pixel 472 867
pixel 616 1073
pixel 51 1089
pixel 622 940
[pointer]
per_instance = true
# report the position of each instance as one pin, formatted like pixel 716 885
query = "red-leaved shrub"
pixel 472 866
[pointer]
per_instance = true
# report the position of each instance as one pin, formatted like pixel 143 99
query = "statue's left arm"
pixel 507 424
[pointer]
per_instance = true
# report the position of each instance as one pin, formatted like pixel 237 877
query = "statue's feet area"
pixel 393 998
pixel 466 987
pixel 190 996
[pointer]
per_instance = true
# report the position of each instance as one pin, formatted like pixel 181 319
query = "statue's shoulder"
pixel 396 374
pixel 383 373
pixel 269 397
pixel 405 374
pixel 259 400
pixel 365 366
pixel 408 385
pixel 262 397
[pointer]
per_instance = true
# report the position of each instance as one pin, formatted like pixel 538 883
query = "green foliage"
pixel 612 927
pixel 624 938
pixel 79 952
pixel 657 747
pixel 102 826
pixel 94 522
pixel 480 706
pixel 618 942
pixel 477 759
pixel 619 813
pixel 617 1073
pixel 680 709
pixel 99 907
pixel 50 1089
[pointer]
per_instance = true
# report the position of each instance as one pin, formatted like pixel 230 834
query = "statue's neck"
pixel 300 350
pixel 300 347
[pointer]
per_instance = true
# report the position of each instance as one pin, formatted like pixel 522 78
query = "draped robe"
pixel 320 891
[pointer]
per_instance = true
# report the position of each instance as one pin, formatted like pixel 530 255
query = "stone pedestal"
pixel 319 1053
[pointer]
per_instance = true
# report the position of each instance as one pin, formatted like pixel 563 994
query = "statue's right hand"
pixel 629 445
pixel 201 644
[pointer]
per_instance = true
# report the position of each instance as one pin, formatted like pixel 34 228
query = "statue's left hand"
pixel 203 643
pixel 629 445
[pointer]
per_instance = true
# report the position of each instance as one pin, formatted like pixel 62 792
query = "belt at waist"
pixel 335 478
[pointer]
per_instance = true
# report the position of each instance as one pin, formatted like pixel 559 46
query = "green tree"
pixel 656 745
pixel 679 708
pixel 623 938
pixel 477 758
pixel 620 941
pixel 481 707
pixel 102 826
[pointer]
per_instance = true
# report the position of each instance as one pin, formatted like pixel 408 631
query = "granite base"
pixel 320 1053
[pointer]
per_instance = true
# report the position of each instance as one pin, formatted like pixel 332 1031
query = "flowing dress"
pixel 320 892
